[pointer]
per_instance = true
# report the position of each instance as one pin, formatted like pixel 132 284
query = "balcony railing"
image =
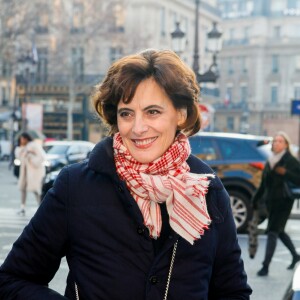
pixel 205 91
pixel 59 79
pixel 236 42
pixel 239 106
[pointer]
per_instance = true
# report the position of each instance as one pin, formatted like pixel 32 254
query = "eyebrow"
pixel 144 109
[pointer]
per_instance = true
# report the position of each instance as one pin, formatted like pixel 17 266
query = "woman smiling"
pixel 143 218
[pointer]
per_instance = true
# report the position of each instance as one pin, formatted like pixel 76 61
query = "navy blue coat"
pixel 90 217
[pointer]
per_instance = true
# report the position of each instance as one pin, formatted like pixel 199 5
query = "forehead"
pixel 148 92
pixel 279 138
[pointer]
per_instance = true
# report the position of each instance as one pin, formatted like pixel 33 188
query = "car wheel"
pixel 241 210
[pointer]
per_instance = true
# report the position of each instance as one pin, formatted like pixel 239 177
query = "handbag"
pixel 292 191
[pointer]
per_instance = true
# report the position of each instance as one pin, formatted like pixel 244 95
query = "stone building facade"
pixel 70 44
pixel 260 66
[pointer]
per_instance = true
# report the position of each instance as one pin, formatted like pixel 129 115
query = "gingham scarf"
pixel 166 179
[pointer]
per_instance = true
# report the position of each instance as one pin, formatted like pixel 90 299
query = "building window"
pixel 277 31
pixel 119 18
pixel 228 96
pixel 6 69
pixel 275 63
pixel 115 53
pixel 77 18
pixel 246 32
pixel 244 65
pixel 230 66
pixel 230 123
pixel 274 94
pixel 42 68
pixel 244 94
pixel 297 92
pixel 78 63
pixel 3 100
pixel 162 22
pixel 42 19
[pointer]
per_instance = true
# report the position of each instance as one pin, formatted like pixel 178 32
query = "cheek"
pixel 122 126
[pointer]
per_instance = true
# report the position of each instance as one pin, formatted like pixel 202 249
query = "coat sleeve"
pixel 229 280
pixel 36 155
pixel 35 256
pixel 293 170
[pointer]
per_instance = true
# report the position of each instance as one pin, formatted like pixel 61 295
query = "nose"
pixel 139 126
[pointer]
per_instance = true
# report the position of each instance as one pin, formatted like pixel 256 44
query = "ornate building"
pixel 260 66
pixel 53 53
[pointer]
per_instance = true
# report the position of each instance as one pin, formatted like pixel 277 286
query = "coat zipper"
pixel 76 291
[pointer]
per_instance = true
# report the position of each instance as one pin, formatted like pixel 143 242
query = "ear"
pixel 181 116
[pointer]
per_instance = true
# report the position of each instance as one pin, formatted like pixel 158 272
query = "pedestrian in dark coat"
pixel 143 218
pixel 280 168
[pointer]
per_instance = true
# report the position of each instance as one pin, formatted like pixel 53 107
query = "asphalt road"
pixel 271 287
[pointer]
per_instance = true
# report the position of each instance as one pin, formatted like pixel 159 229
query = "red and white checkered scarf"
pixel 166 179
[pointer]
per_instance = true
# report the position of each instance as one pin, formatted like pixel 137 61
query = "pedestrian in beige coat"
pixel 32 168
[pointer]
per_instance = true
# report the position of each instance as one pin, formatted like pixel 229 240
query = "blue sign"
pixel 295 107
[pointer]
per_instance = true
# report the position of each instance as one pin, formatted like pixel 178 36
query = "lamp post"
pixel 178 39
pixel 214 46
pixel 25 73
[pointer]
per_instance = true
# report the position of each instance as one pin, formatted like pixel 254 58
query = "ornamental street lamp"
pixel 178 39
pixel 214 44
pixel 26 69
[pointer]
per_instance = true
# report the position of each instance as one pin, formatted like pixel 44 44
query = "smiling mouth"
pixel 144 142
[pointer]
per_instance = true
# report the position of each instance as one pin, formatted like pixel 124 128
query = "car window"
pixel 74 149
pixel 85 149
pixel 238 149
pixel 203 148
pixel 265 150
pixel 56 149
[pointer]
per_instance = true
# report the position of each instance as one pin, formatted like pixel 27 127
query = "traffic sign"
pixel 295 107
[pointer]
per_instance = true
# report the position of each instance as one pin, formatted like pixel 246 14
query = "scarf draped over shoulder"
pixel 166 179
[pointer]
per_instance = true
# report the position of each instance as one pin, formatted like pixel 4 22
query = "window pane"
pixel 231 149
pixel 275 63
pixel 274 94
pixel 230 123
pixel 297 92
pixel 244 92
pixel 203 148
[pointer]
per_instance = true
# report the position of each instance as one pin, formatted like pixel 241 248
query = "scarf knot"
pixel 166 179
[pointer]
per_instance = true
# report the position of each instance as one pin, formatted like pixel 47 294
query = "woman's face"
pixel 279 144
pixel 23 141
pixel 149 122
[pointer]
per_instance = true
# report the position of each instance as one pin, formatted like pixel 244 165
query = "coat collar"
pixel 101 158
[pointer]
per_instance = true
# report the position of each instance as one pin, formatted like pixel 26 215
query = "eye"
pixel 125 114
pixel 153 112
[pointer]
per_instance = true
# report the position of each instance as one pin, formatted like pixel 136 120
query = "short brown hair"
pixel 168 71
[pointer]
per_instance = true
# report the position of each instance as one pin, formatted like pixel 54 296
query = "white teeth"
pixel 144 142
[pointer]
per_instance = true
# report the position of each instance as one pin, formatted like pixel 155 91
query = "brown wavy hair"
pixel 168 71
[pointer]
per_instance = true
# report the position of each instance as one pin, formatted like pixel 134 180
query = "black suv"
pixel 238 159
